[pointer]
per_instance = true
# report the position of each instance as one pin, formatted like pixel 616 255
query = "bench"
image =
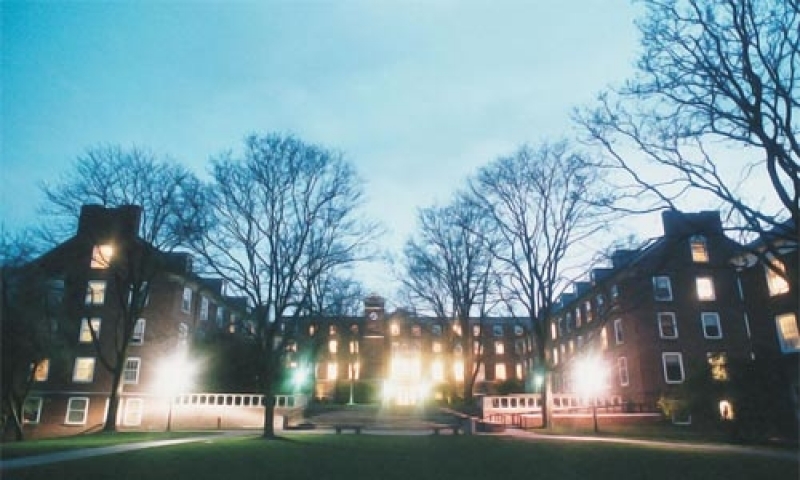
pixel 455 429
pixel 355 428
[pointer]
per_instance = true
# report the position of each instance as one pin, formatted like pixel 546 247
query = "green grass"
pixel 356 457
pixel 38 447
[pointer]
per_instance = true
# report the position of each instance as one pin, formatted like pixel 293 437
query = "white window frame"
pixel 716 321
pixel 704 286
pixel 787 332
pixel 186 300
pixel 132 417
pixel 679 356
pixel 137 336
pixel 674 321
pixel 75 369
pixel 622 367
pixel 127 378
pixel 85 335
pixel 37 403
pixel 204 303
pixel 95 292
pixel 668 286
pixel 70 409
pixel 619 332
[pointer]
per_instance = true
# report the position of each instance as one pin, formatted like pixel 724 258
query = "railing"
pixel 237 400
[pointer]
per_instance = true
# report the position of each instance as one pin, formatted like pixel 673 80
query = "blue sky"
pixel 417 94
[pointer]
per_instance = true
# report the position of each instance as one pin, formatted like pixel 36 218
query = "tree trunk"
pixel 16 418
pixel 269 412
pixel 546 400
pixel 113 401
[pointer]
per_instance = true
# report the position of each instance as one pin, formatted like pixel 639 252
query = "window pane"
pixel 137 338
pixel 705 288
pixel 76 411
pixel 662 288
pixel 32 410
pixel 622 364
pixel 95 292
pixel 86 333
pixel 711 325
pixel 42 370
pixel 101 256
pixel 84 370
pixel 130 375
pixel 788 335
pixel 775 278
pixel 718 363
pixel 673 367
pixel 699 249
pixel 618 334
pixel 668 327
pixel 186 301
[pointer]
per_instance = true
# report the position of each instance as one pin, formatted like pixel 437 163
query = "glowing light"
pixel 176 374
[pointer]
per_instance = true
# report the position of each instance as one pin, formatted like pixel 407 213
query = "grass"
pixel 356 457
pixel 38 447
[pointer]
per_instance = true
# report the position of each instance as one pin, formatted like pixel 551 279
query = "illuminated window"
pixel 77 409
pixel 353 371
pixel 84 370
pixel 32 410
pixel 333 370
pixel 476 330
pixel 353 346
pixel 458 370
pixel 519 371
pixel 312 329
pixel 604 338
pixel 130 374
pixel 725 410
pixel 476 347
pixel 183 333
pixel 137 337
pixel 437 371
pixel 203 308
pixel 457 329
pixel 662 289
pixel 553 331
pixel 588 307
pixel 705 288
pixel 673 367
pixel 42 371
pixel 87 326
pixel 711 325
pixel 699 249
pixel 788 335
pixel 578 317
pixel 101 256
pixel 96 292
pixel 622 367
pixel 437 347
pixel 718 364
pixel 133 412
pixel 186 300
pixel 333 346
pixel 619 336
pixel 667 325
pixel 394 329
pixel 500 371
pixel 499 348
pixel 332 330
pixel 555 356
pixel 776 278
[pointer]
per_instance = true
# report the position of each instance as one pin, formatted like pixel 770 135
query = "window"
pixel 437 347
pixel 555 356
pixel 32 410
pixel 436 330
pixel 332 330
pixel 333 370
pixel 333 346
pixel 718 364
pixel 619 336
pixel 137 337
pixel 662 289
pixel 130 374
pixel 458 370
pixel 394 329
pixel 186 301
pixel 437 371
pixel 353 346
pixel 604 338
pixel 354 328
pixel 711 325
pixel 622 366
pixel 77 410
pixel 518 330
pixel 416 330
pixel 183 334
pixel 499 348
pixel 476 330
pixel 699 249
pixel 705 288
pixel 588 307
pixel 42 370
pixel 577 317
pixel 457 329
pixel 203 309
pixel 776 278
pixel 101 256
pixel 133 412
pixel 788 335
pixel 519 371
pixel 221 316
pixel 84 370
pixel 87 326
pixel 96 292
pixel 500 371
pixel 673 367
pixel 667 325
pixel 476 347
pixel 615 291
pixel 553 331
pixel 497 330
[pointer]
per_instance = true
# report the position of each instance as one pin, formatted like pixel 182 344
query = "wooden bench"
pixel 455 429
pixel 355 428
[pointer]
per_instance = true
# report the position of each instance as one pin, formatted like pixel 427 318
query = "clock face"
pixel 373 316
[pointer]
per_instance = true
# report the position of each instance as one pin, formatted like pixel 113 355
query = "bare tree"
pixel 172 209
pixel 712 74
pixel 543 201
pixel 282 216
pixel 449 269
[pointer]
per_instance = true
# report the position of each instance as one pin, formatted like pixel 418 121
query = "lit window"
pixel 622 366
pixel 437 347
pixel 476 330
pixel 662 289
pixel 353 371
pixel 718 364
pixel 394 329
pixel 776 278
pixel 203 308
pixel 137 337
pixel 604 338
pixel 87 326
pixel 333 370
pixel 333 346
pixel 133 412
pixel 32 410
pixel 519 371
pixel 312 329
pixel 725 410
pixel 619 336
pixel 77 409
pixel 499 348
pixel 588 308
pixel 186 300
pixel 673 367
pixel 553 331
pixel 555 356
pixel 437 371
pixel 711 325
pixel 458 370
pixel 84 370
pixel 788 335
pixel 667 325
pixel 699 249
pixel 332 330
pixel 500 371
pixel 457 329
pixel 353 346
pixel 705 288
pixel 476 347
pixel 42 370
pixel 130 375
pixel 96 292
pixel 101 256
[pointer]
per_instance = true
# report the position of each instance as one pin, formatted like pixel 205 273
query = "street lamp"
pixel 175 375
pixel 589 376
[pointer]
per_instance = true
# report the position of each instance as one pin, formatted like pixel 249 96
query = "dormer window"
pixel 101 256
pixel 699 248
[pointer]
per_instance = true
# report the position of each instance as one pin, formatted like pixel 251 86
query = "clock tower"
pixel 373 364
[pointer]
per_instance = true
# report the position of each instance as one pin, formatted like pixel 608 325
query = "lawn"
pixel 356 457
pixel 50 445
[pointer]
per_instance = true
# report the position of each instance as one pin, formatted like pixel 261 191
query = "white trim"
pixel 718 321
pixel 85 411
pixel 679 355
pixel 674 325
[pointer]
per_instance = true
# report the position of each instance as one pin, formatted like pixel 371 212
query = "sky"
pixel 416 94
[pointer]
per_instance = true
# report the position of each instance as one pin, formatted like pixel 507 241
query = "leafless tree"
pixel 172 209
pixel 716 79
pixel 283 215
pixel 449 270
pixel 543 201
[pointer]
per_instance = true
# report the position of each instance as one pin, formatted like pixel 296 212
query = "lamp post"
pixel 176 374
pixel 589 376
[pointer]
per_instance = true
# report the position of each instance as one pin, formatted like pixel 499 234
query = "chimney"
pixel 679 224
pixel 101 222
